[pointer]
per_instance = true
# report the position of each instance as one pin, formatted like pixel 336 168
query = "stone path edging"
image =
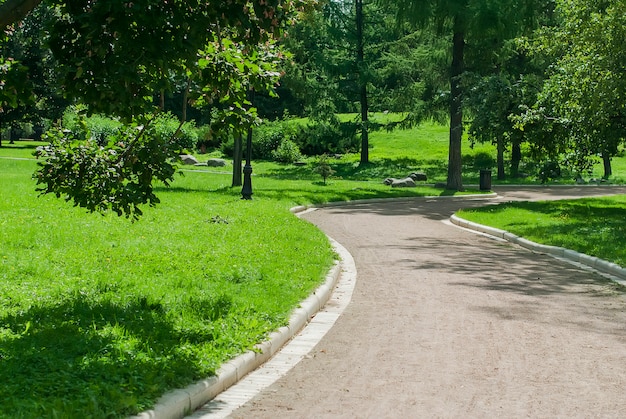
pixel 618 273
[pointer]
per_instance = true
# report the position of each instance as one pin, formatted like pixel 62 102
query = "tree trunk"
pixel 13 135
pixel 606 160
pixel 237 160
pixel 185 100
pixel 500 159
pixel 516 158
pixel 12 11
pixel 362 83
pixel 455 181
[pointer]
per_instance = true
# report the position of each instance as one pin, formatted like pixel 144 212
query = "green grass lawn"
pixel 100 316
pixel 594 226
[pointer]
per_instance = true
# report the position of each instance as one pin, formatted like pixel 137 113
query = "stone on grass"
pixel 216 163
pixel 400 183
pixel 419 177
pixel 188 159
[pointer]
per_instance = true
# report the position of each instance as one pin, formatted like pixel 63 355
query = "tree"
pixel 42 101
pixel 464 20
pixel 12 11
pixel 114 56
pixel 352 57
pixel 586 88
pixel 362 82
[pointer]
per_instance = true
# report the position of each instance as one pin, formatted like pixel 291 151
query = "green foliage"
pixel 320 137
pixel 287 152
pixel 480 160
pixel 583 95
pixel 93 41
pixel 179 137
pixel 207 140
pixel 119 176
pixel 268 136
pixel 323 168
pixel 102 129
pixel 36 87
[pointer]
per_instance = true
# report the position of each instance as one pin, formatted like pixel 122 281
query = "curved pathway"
pixel 446 323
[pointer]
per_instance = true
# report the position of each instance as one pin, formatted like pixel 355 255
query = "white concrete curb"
pixel 617 272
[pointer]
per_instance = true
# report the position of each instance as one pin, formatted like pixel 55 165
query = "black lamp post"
pixel 246 190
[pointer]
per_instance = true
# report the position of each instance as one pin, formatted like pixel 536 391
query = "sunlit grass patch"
pixel 594 226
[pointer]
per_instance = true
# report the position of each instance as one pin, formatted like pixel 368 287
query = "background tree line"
pixel 542 80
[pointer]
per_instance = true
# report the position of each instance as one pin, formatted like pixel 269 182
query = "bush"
pixel 270 135
pixel 165 127
pixel 102 128
pixel 228 147
pixel 267 142
pixel 479 161
pixel 328 137
pixel 287 152
pixel 207 140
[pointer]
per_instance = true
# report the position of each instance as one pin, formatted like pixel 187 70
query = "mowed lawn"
pixel 99 316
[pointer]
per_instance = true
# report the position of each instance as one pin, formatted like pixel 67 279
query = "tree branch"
pixel 12 11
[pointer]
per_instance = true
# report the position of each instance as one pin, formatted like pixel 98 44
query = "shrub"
pixel 102 128
pixel 207 140
pixel 323 168
pixel 479 161
pixel 270 135
pixel 328 137
pixel 287 152
pixel 228 147
pixel 267 142
pixel 165 127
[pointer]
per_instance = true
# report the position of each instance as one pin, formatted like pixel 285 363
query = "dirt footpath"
pixel 447 323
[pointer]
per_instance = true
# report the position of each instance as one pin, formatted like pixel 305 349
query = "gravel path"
pixel 447 323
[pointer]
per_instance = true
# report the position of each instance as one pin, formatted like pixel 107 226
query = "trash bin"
pixel 485 180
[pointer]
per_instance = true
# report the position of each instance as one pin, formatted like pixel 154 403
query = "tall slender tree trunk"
pixel 516 158
pixel 455 181
pixel 606 160
pixel 362 84
pixel 185 100
pixel 237 160
pixel 500 159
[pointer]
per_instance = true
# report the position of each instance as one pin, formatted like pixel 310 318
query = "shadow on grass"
pixel 595 227
pixel 91 359
pixel 17 146
pixel 375 169
pixel 324 196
